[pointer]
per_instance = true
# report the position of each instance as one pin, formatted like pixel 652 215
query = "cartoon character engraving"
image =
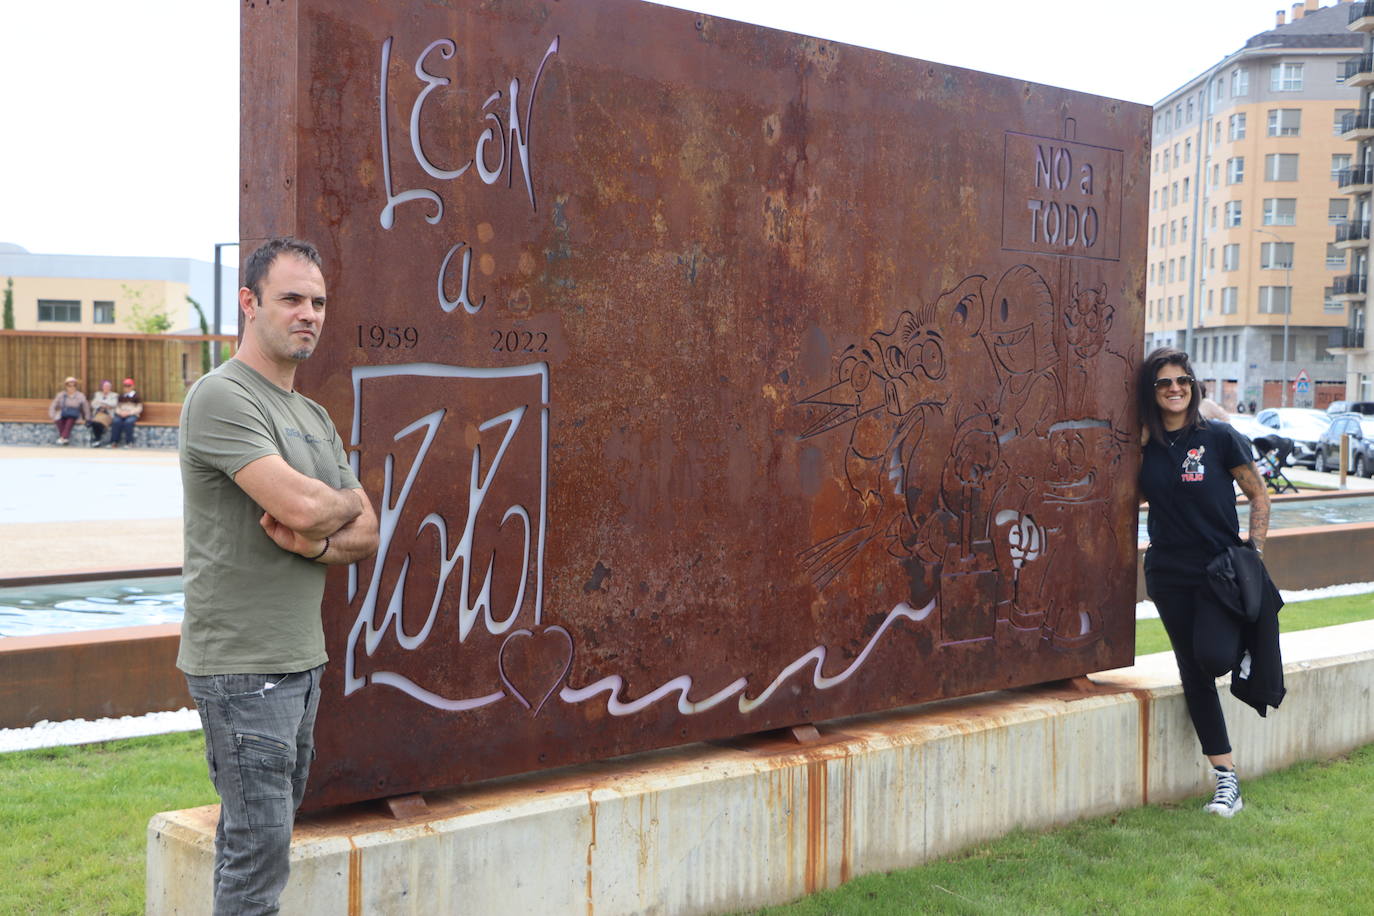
pixel 983 460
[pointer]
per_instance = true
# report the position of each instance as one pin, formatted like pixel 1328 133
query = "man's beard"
pixel 302 354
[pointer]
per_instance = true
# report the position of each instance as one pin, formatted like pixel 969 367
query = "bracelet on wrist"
pixel 324 550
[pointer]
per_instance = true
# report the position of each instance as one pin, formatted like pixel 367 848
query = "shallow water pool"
pixel 30 610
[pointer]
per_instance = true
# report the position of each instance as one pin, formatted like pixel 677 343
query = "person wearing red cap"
pixel 128 408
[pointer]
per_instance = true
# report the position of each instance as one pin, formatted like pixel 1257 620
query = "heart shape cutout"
pixel 532 660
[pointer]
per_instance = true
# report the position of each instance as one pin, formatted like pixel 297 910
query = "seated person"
pixel 128 408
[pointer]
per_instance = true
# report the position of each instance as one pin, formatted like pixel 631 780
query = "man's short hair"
pixel 261 260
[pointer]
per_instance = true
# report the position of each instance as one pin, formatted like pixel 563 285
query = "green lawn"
pixel 1303 615
pixel 73 822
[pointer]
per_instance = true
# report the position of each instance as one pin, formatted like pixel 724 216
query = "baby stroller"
pixel 1273 455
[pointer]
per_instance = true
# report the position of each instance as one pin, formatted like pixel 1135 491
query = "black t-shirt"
pixel 1189 486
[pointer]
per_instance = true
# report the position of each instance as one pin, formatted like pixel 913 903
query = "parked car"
pixel 1361 431
pixel 1364 407
pixel 1303 425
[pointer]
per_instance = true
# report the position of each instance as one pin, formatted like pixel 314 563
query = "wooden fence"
pixel 33 364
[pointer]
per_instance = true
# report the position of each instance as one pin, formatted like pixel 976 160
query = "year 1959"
pixel 391 338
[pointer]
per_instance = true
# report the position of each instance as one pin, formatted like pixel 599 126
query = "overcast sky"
pixel 118 120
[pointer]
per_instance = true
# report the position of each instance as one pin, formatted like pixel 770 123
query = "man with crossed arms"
pixel 269 503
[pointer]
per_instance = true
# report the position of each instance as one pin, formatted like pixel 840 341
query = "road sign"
pixel 1302 384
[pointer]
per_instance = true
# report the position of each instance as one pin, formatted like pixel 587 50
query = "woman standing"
pixel 66 408
pixel 1186 474
pixel 102 412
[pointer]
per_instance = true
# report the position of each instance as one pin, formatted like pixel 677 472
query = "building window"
pixel 1185 190
pixel 1285 77
pixel 1228 300
pixel 1212 258
pixel 1329 303
pixel 1235 170
pixel 1321 342
pixel 1240 81
pixel 1276 346
pixel 1171 270
pixel 1187 149
pixel 1190 110
pixel 1173 193
pixel 1209 301
pixel 1235 127
pixel 1281 167
pixel 1214 217
pixel 1339 162
pixel 1173 232
pixel 1176 160
pixel 1280 211
pixel 1230 257
pixel 1335 258
pixel 1183 229
pixel 1285 122
pixel 1276 255
pixel 102 312
pixel 1336 209
pixel 1182 270
pixel 1273 300
pixel 1340 116
pixel 1171 308
pixel 59 310
pixel 1232 214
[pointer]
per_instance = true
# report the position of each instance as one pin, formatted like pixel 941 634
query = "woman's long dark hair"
pixel 1145 390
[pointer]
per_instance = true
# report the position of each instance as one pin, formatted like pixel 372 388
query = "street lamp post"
pixel 1287 311
pixel 218 261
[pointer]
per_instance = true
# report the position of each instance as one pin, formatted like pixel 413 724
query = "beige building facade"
pixel 103 294
pixel 1244 265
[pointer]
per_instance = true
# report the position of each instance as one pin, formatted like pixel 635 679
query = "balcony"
pixel 1361 16
pixel 1346 339
pixel 1357 71
pixel 1358 179
pixel 1352 234
pixel 1350 288
pixel 1358 125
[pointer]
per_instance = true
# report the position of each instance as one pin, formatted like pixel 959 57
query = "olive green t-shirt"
pixel 251 607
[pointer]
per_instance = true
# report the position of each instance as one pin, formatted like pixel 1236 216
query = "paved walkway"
pixel 67 509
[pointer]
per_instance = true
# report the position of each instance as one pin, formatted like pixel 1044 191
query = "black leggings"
pixel 1207 644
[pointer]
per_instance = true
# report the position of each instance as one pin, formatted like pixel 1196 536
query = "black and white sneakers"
pixel 1226 800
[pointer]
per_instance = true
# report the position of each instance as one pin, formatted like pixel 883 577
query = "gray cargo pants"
pixel 259 742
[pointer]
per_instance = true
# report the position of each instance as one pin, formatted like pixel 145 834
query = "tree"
pixel 145 319
pixel 204 329
pixel 9 304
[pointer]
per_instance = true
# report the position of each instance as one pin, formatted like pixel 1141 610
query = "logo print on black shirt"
pixel 1193 471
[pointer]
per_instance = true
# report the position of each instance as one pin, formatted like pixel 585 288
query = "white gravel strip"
pixel 80 731
pixel 1145 610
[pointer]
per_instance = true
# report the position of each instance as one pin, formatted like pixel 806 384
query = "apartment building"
pixel 1357 182
pixel 1245 270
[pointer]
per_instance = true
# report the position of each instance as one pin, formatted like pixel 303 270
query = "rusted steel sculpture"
pixel 708 379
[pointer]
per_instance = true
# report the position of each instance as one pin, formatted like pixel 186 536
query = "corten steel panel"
pixel 707 378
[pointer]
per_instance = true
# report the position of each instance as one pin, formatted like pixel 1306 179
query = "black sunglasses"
pixel 1184 381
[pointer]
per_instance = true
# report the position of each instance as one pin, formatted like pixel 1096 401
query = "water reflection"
pixel 36 609
pixel 1307 513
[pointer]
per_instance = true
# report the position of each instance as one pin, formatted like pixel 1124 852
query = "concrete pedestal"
pixel 715 828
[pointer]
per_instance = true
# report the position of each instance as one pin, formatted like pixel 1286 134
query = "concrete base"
pixel 721 827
